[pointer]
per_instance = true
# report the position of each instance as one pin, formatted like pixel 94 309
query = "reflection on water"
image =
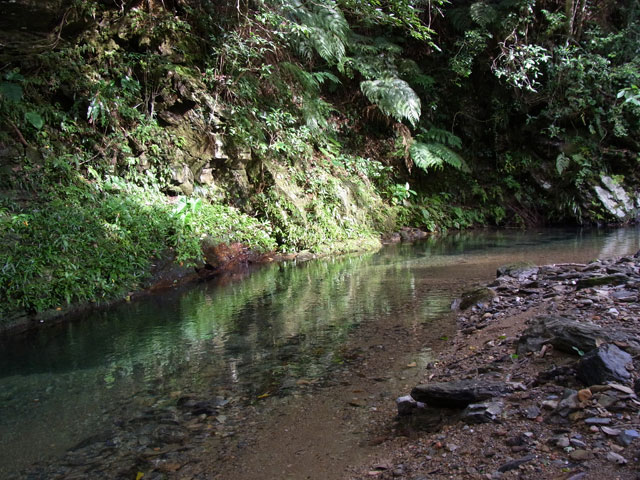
pixel 247 338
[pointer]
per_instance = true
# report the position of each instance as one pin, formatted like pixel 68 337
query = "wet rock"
pixel 520 271
pixel 169 434
pixel 459 394
pixel 485 412
pixel 606 363
pixel 475 296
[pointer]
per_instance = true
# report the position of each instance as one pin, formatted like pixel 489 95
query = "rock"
pixel 483 412
pixel 169 434
pixel 623 295
pixel 616 458
pixel 627 437
pixel 532 412
pixel 614 198
pixel 513 464
pixel 580 455
pixel 459 394
pixel 520 271
pixel 584 395
pixel 617 279
pixel 606 363
pixel 597 421
pixel 570 336
pixel 182 177
pixel 407 405
pixel 477 295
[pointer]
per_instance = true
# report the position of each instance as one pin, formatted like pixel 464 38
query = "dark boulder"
pixel 604 364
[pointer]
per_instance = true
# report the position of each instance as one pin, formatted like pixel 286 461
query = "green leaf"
pixel 435 155
pixel 562 162
pixel 394 97
pixel 34 119
pixel 11 91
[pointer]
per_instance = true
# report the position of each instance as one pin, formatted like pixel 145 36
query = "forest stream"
pixel 290 371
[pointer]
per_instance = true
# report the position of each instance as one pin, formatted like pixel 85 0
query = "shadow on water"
pixel 244 339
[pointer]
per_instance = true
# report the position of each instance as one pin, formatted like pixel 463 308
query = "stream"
pixel 237 340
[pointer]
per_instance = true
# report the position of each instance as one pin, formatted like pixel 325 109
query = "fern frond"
pixel 394 97
pixel 321 77
pixel 459 18
pixel 435 155
pixel 322 28
pixel 412 72
pixel 315 112
pixel 307 80
pixel 483 14
pixel 438 135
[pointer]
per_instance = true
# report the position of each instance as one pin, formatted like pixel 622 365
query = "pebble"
pixel 597 421
pixel 616 458
pixel 580 455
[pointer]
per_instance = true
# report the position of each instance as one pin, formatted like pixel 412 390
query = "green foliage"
pixel 394 97
pixel 93 241
pixel 432 155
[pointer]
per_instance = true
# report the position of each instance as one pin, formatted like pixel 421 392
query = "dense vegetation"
pixel 132 130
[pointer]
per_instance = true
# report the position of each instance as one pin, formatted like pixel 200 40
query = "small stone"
pixel 627 437
pixel 584 395
pixel 563 442
pixel 580 455
pixel 483 412
pixel 616 458
pixel 578 443
pixel 407 405
pixel 597 421
pixel 611 431
pixel 513 464
pixel 532 412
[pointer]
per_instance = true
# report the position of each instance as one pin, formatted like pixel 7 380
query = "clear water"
pixel 241 338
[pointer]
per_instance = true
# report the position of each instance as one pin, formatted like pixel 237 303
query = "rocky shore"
pixel 541 381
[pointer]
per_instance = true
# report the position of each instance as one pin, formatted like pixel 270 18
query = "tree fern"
pixel 394 97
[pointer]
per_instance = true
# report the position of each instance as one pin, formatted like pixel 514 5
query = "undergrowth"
pixel 92 241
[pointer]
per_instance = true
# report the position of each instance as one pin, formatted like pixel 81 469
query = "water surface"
pixel 238 340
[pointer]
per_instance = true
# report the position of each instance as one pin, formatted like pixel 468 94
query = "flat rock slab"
pixel 570 336
pixel 459 394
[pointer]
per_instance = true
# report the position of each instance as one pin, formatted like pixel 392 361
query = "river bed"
pixel 269 334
